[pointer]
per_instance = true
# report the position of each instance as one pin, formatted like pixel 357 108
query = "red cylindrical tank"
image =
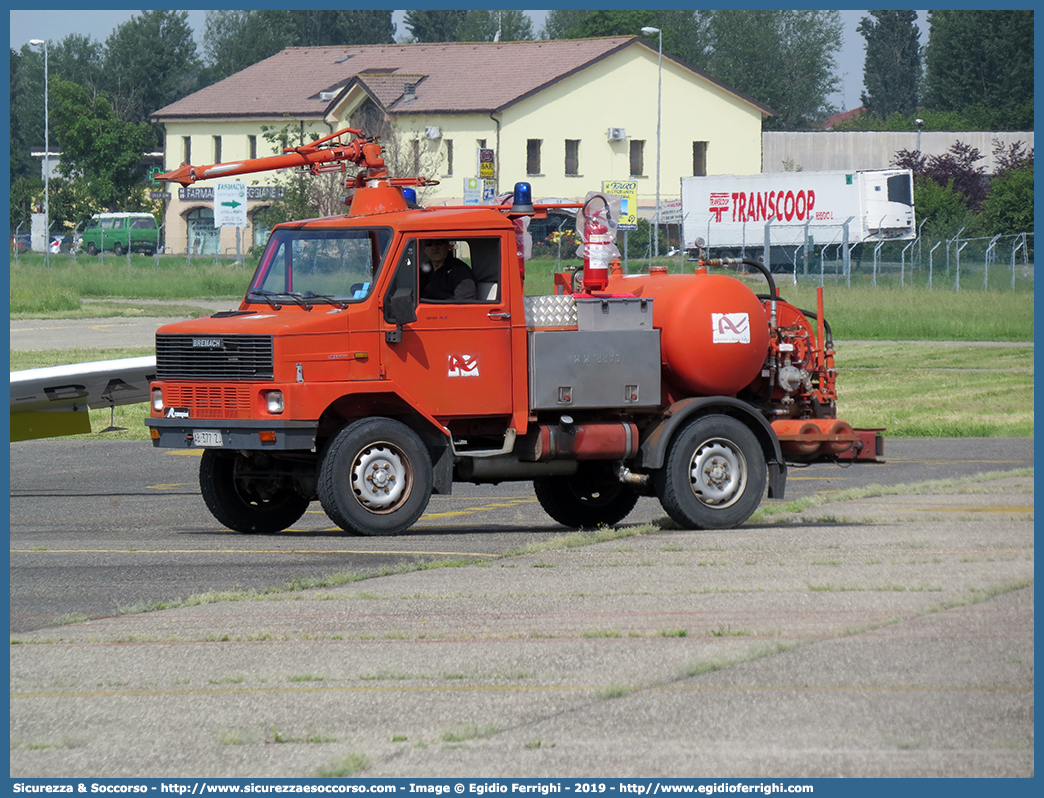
pixel 713 330
pixel 792 436
pixel 831 426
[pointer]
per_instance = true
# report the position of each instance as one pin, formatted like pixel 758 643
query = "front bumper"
pixel 246 434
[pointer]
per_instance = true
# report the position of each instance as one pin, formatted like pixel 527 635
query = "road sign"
pixel 230 204
pixel 627 191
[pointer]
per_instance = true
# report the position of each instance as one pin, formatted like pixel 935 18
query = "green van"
pixel 120 232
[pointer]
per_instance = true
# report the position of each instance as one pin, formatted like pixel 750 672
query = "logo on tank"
pixel 730 328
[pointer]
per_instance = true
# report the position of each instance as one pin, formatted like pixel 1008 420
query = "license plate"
pixel 207 437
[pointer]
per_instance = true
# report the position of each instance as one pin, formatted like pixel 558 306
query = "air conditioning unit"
pixel 432 133
pixel 616 134
pixel 326 96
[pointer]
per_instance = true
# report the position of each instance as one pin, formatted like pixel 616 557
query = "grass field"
pixel 912 390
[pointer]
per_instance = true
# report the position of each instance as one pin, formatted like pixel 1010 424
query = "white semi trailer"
pixel 796 209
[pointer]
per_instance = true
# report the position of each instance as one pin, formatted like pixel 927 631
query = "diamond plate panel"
pixel 557 310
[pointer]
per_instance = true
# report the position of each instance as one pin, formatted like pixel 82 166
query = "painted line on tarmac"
pixel 898 688
pixel 479 509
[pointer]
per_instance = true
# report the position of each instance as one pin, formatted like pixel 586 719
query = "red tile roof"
pixel 458 77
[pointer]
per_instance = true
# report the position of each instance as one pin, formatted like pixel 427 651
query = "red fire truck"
pixel 337 380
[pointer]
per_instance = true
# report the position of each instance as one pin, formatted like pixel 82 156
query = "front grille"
pixel 214 357
pixel 209 401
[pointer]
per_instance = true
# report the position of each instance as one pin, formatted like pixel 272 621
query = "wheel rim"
pixel 254 494
pixel 381 477
pixel 718 473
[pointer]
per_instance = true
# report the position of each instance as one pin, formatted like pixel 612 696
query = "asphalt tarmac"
pixel 881 637
pixel 889 637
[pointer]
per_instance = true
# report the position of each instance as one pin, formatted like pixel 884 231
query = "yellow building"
pixel 562 115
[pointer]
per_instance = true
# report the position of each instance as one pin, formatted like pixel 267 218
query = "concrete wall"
pixel 827 150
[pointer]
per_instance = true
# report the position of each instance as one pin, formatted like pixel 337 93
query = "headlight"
pixel 274 402
pixel 157 399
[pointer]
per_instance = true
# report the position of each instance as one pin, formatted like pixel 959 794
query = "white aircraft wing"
pixel 53 401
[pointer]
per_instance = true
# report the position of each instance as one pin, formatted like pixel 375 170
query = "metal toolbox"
pixel 614 313
pixel 590 369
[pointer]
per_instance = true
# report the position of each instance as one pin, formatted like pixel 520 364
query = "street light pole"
pixel 46 158
pixel 649 31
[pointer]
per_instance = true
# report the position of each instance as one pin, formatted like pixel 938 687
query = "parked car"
pixel 21 242
pixel 120 232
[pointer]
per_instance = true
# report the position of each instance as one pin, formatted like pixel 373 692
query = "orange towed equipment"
pixel 337 379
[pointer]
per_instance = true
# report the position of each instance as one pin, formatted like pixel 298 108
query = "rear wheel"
pixel 713 476
pixel 375 477
pixel 117 248
pixel 590 498
pixel 244 495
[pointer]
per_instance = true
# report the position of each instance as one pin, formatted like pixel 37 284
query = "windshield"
pixel 330 264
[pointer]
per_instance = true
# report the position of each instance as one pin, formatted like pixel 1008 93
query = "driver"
pixel 445 276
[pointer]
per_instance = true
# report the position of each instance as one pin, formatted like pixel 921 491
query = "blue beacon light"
pixel 522 201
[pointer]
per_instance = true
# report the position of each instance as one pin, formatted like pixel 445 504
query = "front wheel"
pixel 591 498
pixel 247 496
pixel 92 248
pixel 375 477
pixel 713 476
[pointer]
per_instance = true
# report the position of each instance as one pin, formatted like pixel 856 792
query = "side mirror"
pixel 399 309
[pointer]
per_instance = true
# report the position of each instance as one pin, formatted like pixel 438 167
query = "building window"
pixel 252 146
pixel 637 158
pixel 449 156
pixel 481 144
pixel 217 149
pixel 203 237
pixel 699 158
pixel 186 146
pixel 572 156
pixel 533 156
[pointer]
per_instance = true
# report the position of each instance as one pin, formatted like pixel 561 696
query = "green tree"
pixel 612 23
pixel 979 58
pixel 150 62
pixel 234 40
pixel 1008 207
pixel 484 26
pixel 560 22
pixel 783 59
pixel 435 25
pixel 27 125
pixel 98 147
pixel 892 69
pixel 684 32
pixel 78 58
pixel 940 208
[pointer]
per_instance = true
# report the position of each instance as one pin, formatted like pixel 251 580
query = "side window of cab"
pixel 459 270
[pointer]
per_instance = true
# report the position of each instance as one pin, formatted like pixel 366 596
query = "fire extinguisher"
pixel 597 249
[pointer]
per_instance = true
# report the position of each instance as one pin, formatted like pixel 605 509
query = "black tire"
pixel 375 477
pixel 92 248
pixel 247 503
pixel 591 498
pixel 117 248
pixel 713 476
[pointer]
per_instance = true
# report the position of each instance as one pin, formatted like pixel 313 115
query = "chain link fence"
pixel 821 253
